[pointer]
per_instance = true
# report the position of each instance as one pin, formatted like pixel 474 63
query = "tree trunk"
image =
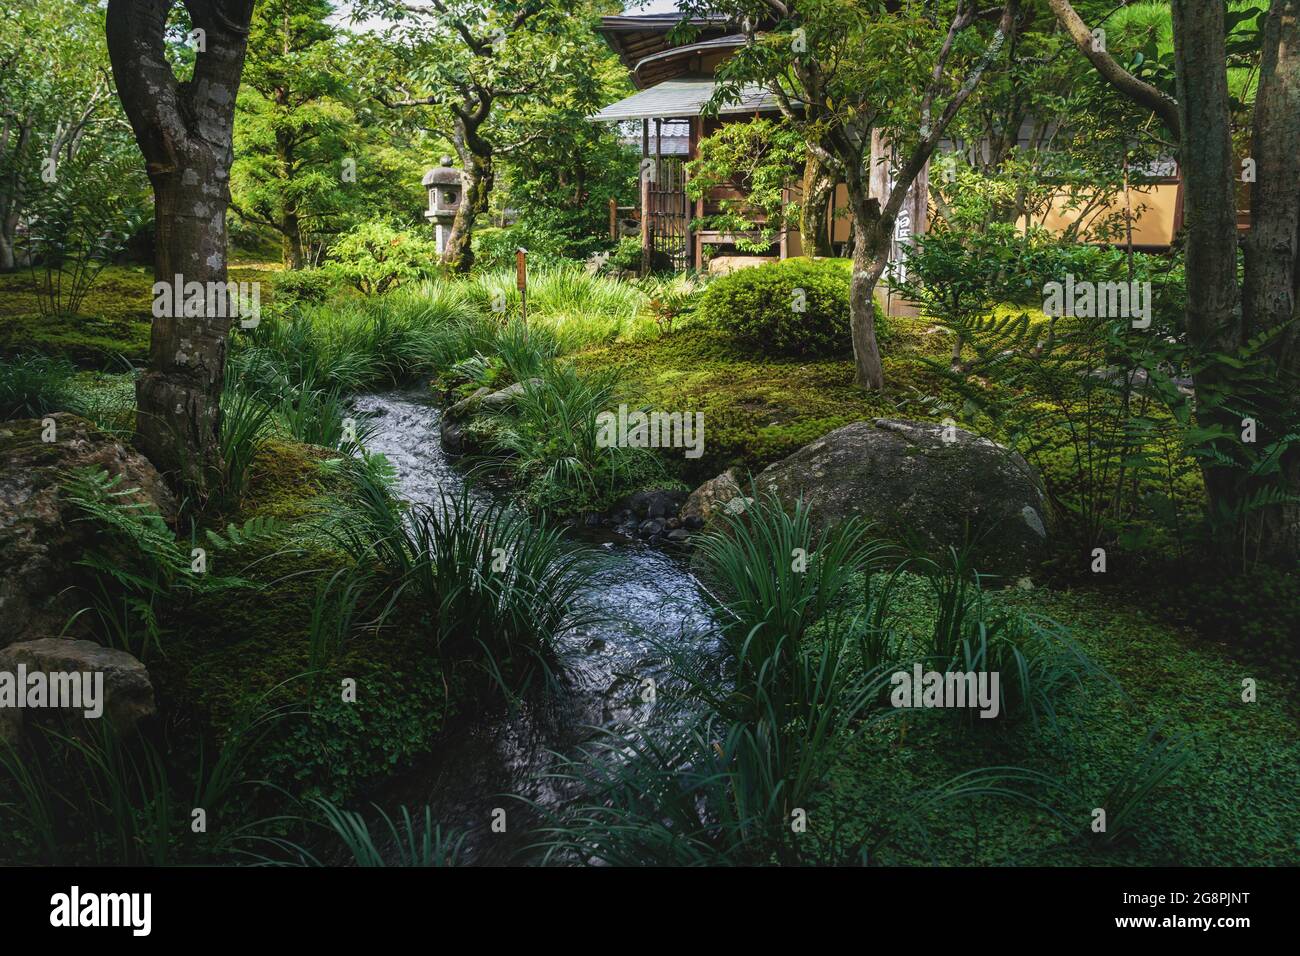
pixel 184 132
pixel 1209 211
pixel 11 196
pixel 291 244
pixel 815 208
pixel 479 177
pixel 1219 320
pixel 870 256
pixel 1271 293
pixel 290 226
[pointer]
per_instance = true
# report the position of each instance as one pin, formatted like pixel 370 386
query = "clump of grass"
pixel 245 428
pixel 321 416
pixel 1156 761
pixel 548 440
pixel 32 385
pixel 408 841
pixel 1036 660
pixel 92 796
pixel 499 588
pixel 517 353
pixel 578 306
pixel 777 575
pixel 354 344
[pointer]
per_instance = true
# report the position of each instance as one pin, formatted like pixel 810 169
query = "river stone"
pixel 914 486
pixel 127 691
pixel 718 495
pixel 452 429
pixel 39 540
pixel 652 503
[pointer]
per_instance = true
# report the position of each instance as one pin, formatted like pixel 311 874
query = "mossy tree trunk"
pixel 184 131
pixel 478 178
pixel 815 207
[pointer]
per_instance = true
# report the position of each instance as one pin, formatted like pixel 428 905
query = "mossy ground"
pixel 113 325
pixel 233 656
pixel 758 409
pixel 1234 804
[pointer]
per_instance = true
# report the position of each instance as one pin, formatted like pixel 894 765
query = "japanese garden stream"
pixel 641 595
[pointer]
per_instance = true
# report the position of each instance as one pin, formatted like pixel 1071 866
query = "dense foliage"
pixel 794 307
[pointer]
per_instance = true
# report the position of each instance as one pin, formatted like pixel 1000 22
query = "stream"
pixel 642 596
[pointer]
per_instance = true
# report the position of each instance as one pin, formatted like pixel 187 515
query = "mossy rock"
pixel 41 538
pixel 928 485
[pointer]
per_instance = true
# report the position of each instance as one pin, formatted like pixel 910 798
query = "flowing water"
pixel 644 598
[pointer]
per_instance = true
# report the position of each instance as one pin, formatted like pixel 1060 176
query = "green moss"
pixel 236 656
pixel 115 318
pixel 1233 805
pixel 233 655
pixel 287 482
pixel 757 409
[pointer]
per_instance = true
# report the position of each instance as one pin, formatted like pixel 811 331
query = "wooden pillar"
pixel 657 188
pixel 645 199
pixel 695 248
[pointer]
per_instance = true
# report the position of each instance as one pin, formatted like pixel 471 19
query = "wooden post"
pixel 613 219
pixel 646 257
pixel 657 191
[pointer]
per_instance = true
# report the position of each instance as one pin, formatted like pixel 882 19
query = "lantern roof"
pixel 444 174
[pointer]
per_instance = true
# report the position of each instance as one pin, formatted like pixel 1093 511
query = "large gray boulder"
pixel 39 540
pixel 123 694
pixel 921 483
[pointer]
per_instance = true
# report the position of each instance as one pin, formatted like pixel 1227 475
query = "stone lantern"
pixel 445 193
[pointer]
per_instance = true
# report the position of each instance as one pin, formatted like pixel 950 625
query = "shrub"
pixel 375 257
pixel 627 254
pixel 794 307
pixel 302 285
pixel 495 247
pixel 953 273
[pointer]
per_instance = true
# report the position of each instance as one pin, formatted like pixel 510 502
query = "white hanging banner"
pixel 912 218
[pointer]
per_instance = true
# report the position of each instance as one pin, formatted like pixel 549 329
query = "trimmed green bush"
pixel 793 307
pixel 303 285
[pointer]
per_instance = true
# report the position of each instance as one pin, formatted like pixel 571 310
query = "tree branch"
pixel 1139 91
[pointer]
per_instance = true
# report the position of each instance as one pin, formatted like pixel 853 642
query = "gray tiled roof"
pixel 678 98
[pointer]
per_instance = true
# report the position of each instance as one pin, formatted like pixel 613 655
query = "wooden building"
pixel 674 83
